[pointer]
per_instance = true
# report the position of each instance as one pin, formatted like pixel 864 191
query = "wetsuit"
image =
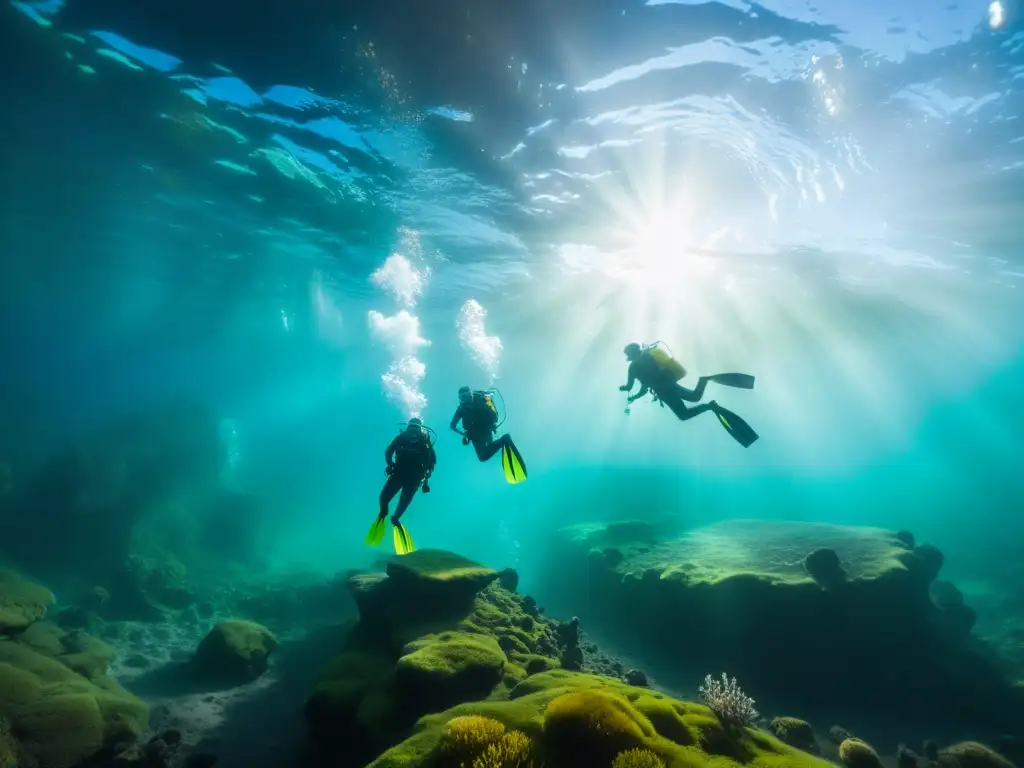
pixel 412 459
pixel 654 378
pixel 478 423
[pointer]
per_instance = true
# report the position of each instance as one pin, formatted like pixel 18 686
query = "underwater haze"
pixel 304 224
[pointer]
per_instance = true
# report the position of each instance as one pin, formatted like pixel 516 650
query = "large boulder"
pixel 779 604
pixel 235 651
pixel 21 602
pixel 56 718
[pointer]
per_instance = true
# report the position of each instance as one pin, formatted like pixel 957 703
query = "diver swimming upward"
pixel 410 461
pixel 479 420
pixel 658 372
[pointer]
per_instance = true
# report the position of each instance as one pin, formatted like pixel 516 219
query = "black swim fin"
pixel 738 380
pixel 735 426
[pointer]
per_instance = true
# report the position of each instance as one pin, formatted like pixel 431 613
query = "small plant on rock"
pixel 730 704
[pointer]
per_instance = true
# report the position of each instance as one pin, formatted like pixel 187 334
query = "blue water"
pixel 320 223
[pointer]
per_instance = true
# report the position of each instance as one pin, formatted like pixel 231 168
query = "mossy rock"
pixel 436 567
pixel 235 650
pixel 22 602
pixel 795 732
pixel 574 719
pixel 855 753
pixel 56 718
pixel 373 693
pixel 971 754
pixel 442 670
pixel 76 650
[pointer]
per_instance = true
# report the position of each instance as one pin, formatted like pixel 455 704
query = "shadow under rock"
pixel 268 728
pixel 178 678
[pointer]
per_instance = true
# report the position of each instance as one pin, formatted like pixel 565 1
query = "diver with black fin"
pixel 479 418
pixel 659 372
pixel 410 461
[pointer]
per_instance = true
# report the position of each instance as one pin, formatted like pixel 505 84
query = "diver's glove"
pixel 389 469
pixel 426 486
pixel 624 388
pixel 465 440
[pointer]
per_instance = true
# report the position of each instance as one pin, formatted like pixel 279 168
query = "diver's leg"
pixel 409 487
pixel 392 486
pixel 486 448
pixel 683 413
pixel 692 395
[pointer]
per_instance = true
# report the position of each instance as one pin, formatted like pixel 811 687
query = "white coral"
pixel 730 704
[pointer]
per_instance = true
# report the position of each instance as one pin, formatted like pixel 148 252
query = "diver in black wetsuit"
pixel 410 461
pixel 655 377
pixel 479 420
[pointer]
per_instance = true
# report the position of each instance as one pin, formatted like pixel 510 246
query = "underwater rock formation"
pixel 58 707
pixel 745 596
pixel 76 650
pixel 446 667
pixel 570 719
pixel 235 651
pixel 21 602
pixel 435 630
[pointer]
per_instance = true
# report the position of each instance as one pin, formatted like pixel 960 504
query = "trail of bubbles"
pixel 401 332
pixel 483 349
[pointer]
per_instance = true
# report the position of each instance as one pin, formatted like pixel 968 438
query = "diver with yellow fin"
pixel 410 461
pixel 659 372
pixel 479 418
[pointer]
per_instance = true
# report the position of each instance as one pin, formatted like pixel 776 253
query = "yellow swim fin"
pixel 402 540
pixel 376 533
pixel 512 464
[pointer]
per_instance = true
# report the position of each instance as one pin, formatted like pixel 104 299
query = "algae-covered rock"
pixel 235 650
pixel 776 602
pixel 445 669
pixel 855 753
pixel 56 718
pixel 421 593
pixel 395 668
pixel 21 602
pixel 435 568
pixel 795 732
pixel 76 650
pixel 574 719
pixel 971 754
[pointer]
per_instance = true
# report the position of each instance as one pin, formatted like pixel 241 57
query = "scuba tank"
pixel 484 403
pixel 663 357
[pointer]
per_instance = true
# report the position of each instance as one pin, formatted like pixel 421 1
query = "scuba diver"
pixel 410 461
pixel 658 372
pixel 479 419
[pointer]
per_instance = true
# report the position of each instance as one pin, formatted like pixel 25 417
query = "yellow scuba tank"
pixel 486 402
pixel 668 363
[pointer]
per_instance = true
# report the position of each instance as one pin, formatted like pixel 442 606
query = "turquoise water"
pixel 321 225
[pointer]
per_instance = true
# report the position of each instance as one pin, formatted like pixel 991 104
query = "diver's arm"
pixel 644 389
pixel 632 379
pixel 431 460
pixel 454 426
pixel 389 452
